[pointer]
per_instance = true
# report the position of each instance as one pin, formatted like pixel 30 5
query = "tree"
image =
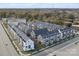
pixel 3 14
pixel 29 17
pixel 36 16
pixel 59 22
pixel 69 24
pixel 47 15
pixel 72 17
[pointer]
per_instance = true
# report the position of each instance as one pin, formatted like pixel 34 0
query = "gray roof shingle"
pixel 21 34
pixel 45 33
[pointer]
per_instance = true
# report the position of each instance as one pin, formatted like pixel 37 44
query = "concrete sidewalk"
pixel 6 47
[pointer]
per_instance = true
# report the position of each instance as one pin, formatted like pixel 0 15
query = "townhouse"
pixel 46 34
pixel 22 26
pixel 41 25
pixel 26 42
pixel 67 32
pixel 46 37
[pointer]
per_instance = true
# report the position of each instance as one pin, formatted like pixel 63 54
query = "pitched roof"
pixel 66 29
pixel 45 33
pixel 21 34
pixel 46 25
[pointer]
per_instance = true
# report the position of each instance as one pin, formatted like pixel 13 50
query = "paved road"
pixel 55 48
pixel 69 50
pixel 6 48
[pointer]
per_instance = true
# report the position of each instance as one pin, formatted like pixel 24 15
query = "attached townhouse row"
pixel 41 25
pixel 24 41
pixel 45 36
pixel 42 35
pixel 49 37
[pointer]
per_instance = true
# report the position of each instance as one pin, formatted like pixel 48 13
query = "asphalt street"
pixel 6 47
pixel 69 50
pixel 51 51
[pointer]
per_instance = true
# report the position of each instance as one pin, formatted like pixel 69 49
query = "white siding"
pixel 29 45
pixel 22 43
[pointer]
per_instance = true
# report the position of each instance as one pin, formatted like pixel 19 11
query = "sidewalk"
pixel 13 43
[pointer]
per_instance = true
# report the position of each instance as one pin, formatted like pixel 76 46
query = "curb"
pixel 17 49
pixel 13 43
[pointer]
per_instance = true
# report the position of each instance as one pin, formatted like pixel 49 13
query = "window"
pixel 71 31
pixel 68 31
pixel 64 32
pixel 51 39
pixel 58 37
pixel 46 40
pixel 29 46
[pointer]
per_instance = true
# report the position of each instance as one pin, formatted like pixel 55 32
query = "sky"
pixel 39 5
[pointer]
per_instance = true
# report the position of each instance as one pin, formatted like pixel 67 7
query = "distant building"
pixel 15 20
